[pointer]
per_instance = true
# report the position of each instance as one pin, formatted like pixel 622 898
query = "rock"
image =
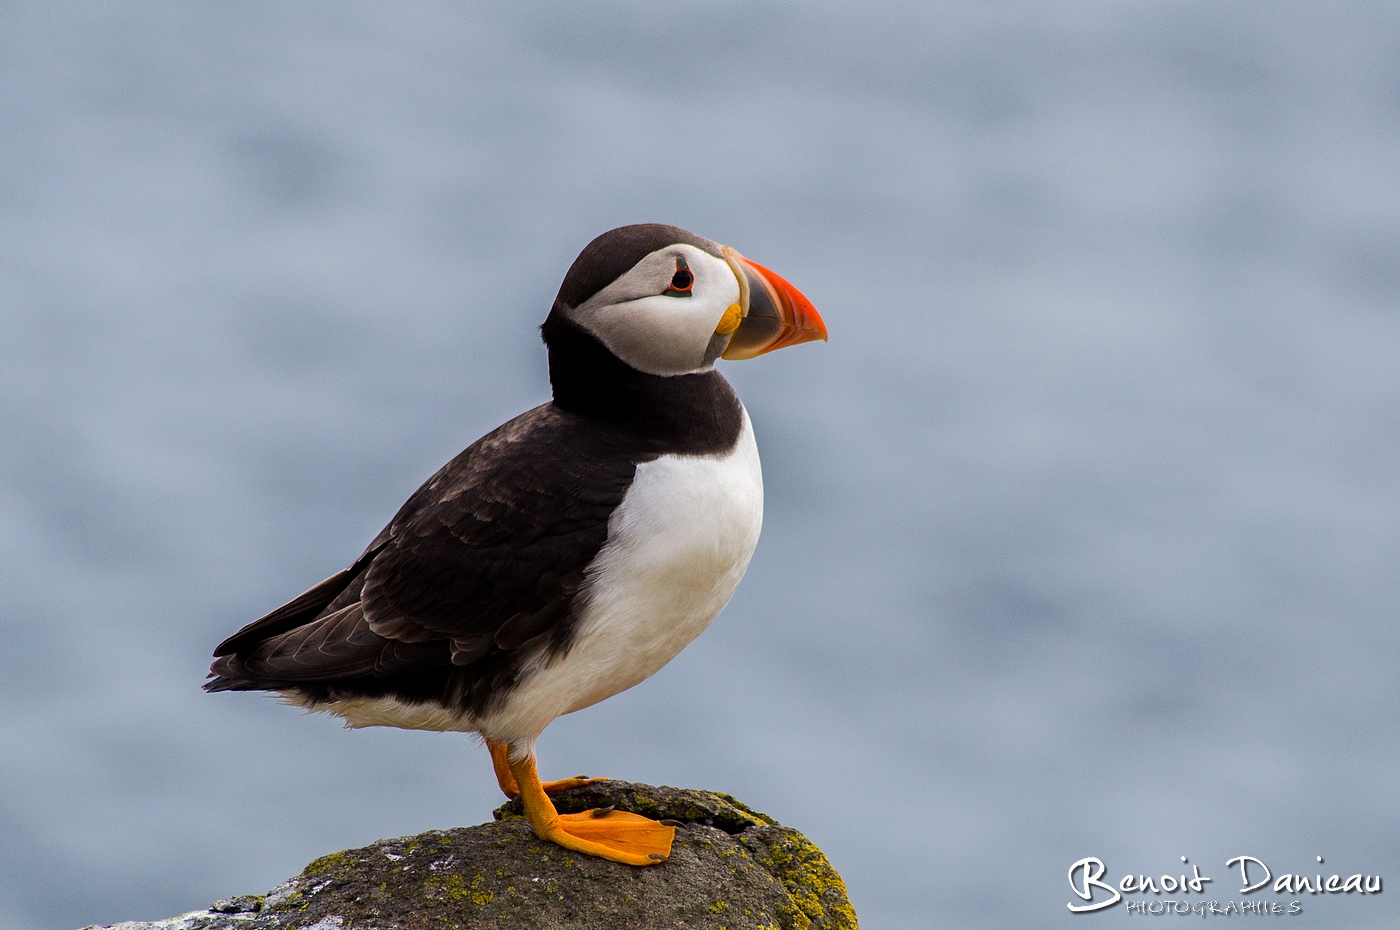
pixel 731 867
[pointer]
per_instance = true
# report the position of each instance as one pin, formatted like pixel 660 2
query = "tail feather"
pixel 300 610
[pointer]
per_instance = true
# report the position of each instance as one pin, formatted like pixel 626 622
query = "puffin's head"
pixel 667 302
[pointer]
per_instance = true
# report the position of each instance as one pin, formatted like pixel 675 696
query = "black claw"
pixel 672 823
pixel 580 776
pixel 603 811
pixel 656 856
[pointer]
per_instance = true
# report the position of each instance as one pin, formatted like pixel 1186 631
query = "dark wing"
pixel 477 567
pixel 302 609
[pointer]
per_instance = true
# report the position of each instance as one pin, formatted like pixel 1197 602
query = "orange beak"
pixel 775 314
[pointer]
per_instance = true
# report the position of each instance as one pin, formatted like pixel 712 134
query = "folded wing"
pixel 484 563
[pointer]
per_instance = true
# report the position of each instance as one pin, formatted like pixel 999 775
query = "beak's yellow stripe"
pixel 735 264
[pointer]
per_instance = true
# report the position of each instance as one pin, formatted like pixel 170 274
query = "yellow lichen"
pixel 808 877
pixel 452 885
pixel 335 862
pixel 756 816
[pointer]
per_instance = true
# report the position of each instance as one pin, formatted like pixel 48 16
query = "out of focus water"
pixel 1083 532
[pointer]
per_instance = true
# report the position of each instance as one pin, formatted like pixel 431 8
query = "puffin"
pixel 569 554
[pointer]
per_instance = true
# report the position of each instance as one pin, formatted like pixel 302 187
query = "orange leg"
pixel 617 835
pixel 507 781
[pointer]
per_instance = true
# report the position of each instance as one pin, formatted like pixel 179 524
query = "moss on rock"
pixel 730 867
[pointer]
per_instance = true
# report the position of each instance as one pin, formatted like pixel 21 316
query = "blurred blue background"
pixel 1083 532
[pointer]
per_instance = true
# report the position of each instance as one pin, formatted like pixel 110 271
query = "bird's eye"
pixel 681 281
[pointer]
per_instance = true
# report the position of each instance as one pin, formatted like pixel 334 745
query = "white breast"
pixel 677 547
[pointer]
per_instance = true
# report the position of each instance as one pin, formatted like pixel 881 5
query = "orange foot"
pixel 616 835
pixel 507 781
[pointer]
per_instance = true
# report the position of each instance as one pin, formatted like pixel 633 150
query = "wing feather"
pixel 486 557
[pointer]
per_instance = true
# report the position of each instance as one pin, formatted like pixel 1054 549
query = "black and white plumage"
pixel 573 551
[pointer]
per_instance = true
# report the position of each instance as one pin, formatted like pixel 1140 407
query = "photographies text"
pixel 1090 881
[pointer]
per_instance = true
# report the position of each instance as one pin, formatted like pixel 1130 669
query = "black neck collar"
pixel 696 410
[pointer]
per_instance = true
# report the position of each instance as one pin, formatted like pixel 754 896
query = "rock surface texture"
pixel 730 867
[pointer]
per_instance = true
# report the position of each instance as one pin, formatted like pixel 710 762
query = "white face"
pixel 656 328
